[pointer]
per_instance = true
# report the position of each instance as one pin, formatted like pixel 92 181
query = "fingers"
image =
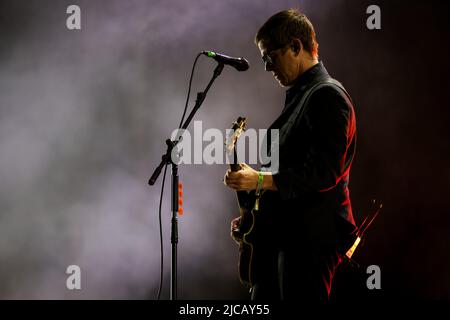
pixel 233 179
pixel 243 179
pixel 235 223
pixel 234 227
pixel 235 185
pixel 244 165
pixel 226 176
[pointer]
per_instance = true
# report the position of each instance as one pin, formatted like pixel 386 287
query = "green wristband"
pixel 260 182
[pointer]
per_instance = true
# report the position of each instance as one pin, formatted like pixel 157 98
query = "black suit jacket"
pixel 312 206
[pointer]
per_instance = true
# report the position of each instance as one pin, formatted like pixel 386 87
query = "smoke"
pixel 84 116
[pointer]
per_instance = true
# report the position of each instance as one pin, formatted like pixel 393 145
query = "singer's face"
pixel 282 62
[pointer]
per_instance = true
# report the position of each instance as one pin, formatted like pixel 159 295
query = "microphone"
pixel 240 64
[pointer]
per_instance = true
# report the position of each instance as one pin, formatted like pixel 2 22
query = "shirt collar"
pixel 306 78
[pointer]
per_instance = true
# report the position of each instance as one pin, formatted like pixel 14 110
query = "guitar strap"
pixel 301 108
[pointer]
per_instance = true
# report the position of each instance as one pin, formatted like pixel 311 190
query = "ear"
pixel 296 46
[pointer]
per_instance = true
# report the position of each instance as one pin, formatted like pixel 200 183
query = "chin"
pixel 282 83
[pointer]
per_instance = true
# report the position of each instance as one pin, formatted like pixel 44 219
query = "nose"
pixel 268 66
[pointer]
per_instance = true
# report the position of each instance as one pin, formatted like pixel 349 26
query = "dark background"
pixel 84 115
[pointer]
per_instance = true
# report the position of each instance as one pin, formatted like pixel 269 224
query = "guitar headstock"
pixel 238 127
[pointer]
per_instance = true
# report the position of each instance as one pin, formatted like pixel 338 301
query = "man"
pixel 307 222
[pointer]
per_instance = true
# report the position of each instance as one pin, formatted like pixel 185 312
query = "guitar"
pixel 248 206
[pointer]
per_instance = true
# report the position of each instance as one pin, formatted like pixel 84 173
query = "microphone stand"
pixel 167 159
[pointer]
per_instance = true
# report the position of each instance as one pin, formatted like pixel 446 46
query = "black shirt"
pixel 312 204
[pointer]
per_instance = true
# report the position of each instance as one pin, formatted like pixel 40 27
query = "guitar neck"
pixel 235 165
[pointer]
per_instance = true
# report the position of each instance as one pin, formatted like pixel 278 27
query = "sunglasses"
pixel 269 57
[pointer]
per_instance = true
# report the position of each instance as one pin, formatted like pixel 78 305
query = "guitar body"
pixel 246 234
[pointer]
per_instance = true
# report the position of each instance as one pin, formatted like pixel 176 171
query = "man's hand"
pixel 234 226
pixel 247 179
pixel 244 179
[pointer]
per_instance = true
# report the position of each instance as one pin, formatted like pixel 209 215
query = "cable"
pixel 189 89
pixel 363 227
pixel 160 234
pixel 164 179
pixel 359 233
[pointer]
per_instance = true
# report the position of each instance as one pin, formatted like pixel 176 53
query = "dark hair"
pixel 285 25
